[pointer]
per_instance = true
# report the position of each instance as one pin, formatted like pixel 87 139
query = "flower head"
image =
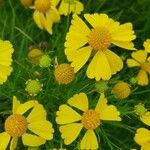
pixel 142 136
pixel 68 6
pixel 121 90
pixel 33 87
pixel 45 61
pixel 64 73
pixel 104 31
pixel 17 125
pixel 72 122
pixel 35 55
pixel 140 59
pixel 6 50
pixel 45 14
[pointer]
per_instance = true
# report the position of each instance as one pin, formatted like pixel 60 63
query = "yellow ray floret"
pixel 6 50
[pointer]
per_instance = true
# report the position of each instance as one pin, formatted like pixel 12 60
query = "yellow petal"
pixel 37 113
pixel 5 72
pixel 89 141
pixel 48 23
pixel 32 140
pixel 142 78
pixel 142 136
pixel 39 19
pixel 114 60
pixel 97 20
pixel 79 57
pixel 99 67
pixel 110 113
pixel 124 44
pixel 16 104
pixel 101 104
pixel 42 128
pixel 77 36
pixel 70 132
pixel 26 106
pixel 132 63
pixel 147 45
pixel 146 118
pixel 140 56
pixel 13 143
pixel 124 33
pixel 145 146
pixel 67 115
pixel 79 101
pixel 6 50
pixel 4 140
pixel 55 2
pixel 54 14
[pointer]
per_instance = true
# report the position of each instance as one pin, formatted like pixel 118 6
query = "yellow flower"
pixel 147 45
pixel 6 50
pixel 139 59
pixel 46 14
pixel 82 41
pixel 68 6
pixel 17 125
pixel 72 122
pixel 142 136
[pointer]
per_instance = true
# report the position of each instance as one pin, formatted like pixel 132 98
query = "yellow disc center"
pixel 99 38
pixel 16 125
pixel 146 66
pixel 90 119
pixel 43 5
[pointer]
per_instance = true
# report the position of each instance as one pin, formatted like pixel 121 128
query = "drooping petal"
pixel 147 45
pixel 54 15
pixel 124 44
pixel 142 136
pixel 115 62
pixel 142 78
pixel 76 7
pixel 146 118
pixel 124 33
pixel 140 56
pixel 110 113
pixel 79 101
pixel 26 106
pixel 132 63
pixel 32 140
pixel 89 141
pixel 16 104
pixel 42 128
pixel 70 132
pixel 101 104
pixel 99 67
pixel 37 113
pixel 4 140
pixel 39 19
pixel 67 115
pixel 79 57
pixel 54 3
pixel 13 143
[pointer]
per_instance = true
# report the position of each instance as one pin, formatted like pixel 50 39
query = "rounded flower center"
pixel 90 119
pixel 99 38
pixel 16 125
pixel 146 66
pixel 42 5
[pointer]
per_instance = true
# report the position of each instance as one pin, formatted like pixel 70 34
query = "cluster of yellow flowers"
pixel 88 41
